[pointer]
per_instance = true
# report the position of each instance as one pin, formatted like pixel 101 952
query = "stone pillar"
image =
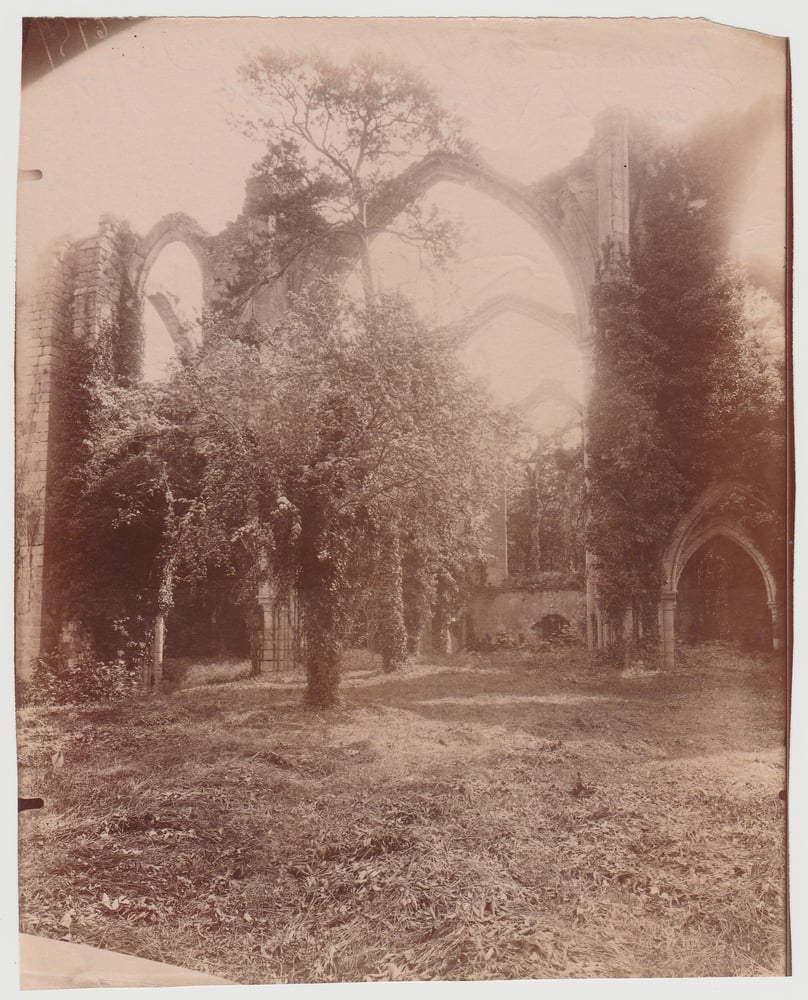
pixel 158 645
pixel 601 630
pixel 99 275
pixel 591 614
pixel 777 625
pixel 593 633
pixel 43 324
pixel 611 178
pixel 668 623
pixel 497 561
pixel 281 632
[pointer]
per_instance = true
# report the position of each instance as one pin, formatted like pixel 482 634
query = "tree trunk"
pixel 323 647
pixel 364 257
pixel 393 633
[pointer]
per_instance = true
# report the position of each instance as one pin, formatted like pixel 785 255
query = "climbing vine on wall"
pixel 682 394
pixel 96 569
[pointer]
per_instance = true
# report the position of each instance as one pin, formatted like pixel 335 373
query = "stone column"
pixel 44 296
pixel 777 630
pixel 158 645
pixel 611 178
pixel 266 603
pixel 591 611
pixel 497 556
pixel 668 616
pixel 593 631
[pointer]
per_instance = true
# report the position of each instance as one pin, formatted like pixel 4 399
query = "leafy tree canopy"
pixel 348 431
pixel 338 139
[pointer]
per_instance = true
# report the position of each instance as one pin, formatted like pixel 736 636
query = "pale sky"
pixel 140 127
pixel 139 124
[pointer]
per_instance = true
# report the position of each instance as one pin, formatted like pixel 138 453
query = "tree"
pixel 545 533
pixel 346 429
pixel 402 445
pixel 338 140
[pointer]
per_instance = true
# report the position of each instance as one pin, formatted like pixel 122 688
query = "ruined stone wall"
pixel 44 318
pixel 99 275
pixel 73 294
pixel 78 293
pixel 517 611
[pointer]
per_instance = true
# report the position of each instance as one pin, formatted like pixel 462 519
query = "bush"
pixel 59 681
pixel 566 635
pixel 505 639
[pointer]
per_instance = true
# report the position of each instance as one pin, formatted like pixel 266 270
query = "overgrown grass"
pixel 481 817
pixel 185 672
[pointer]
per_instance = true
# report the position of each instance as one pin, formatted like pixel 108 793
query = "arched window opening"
pixel 722 598
pixel 205 623
pixel 553 629
pixel 172 306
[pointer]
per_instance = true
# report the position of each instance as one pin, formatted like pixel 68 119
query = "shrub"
pixel 505 639
pixel 566 635
pixel 57 680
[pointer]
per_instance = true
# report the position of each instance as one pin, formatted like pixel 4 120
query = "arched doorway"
pixel 722 597
pixel 554 629
pixel 717 579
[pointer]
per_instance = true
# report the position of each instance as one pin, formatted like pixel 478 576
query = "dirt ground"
pixel 502 816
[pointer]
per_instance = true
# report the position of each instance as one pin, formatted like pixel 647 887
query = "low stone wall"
pixel 517 611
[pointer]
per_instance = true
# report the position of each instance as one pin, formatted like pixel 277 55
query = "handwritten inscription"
pixel 64 37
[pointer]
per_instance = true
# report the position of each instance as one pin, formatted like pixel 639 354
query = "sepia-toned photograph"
pixel 403 500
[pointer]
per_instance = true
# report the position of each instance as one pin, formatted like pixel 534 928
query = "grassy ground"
pixel 483 817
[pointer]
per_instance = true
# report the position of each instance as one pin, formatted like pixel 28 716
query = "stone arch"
pixel 574 210
pixel 552 627
pixel 563 323
pixel 562 208
pixel 165 306
pixel 707 519
pixel 175 228
pixel 550 389
pixel 555 214
pixel 735 533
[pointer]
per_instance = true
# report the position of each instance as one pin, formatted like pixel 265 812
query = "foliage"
pixel 683 389
pixel 57 680
pixel 545 530
pixel 98 571
pixel 337 140
pixel 413 456
pixel 552 579
pixel 306 456
pixel 634 486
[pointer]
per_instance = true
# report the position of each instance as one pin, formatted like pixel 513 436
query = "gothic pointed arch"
pixel 716 513
pixel 550 207
pixel 564 324
pixel 175 228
